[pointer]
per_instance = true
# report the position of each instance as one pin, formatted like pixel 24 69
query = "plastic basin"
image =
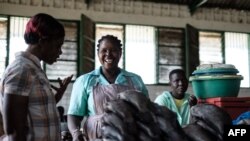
pixel 216 85
pixel 216 71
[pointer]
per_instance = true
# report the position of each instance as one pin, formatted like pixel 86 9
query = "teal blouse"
pixel 166 99
pixel 82 102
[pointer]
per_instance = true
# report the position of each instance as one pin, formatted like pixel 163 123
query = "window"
pixel 3 43
pixel 210 50
pixel 140 52
pixel 65 66
pixel 236 50
pixel 237 53
pixel 138 47
pixel 171 52
pixel 150 57
pixel 17 43
pixel 67 63
pixel 104 29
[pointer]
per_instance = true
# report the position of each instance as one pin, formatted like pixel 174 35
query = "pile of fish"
pixel 133 117
pixel 207 123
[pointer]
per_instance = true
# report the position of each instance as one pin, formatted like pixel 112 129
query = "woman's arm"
pixel 15 111
pixel 74 124
pixel 78 106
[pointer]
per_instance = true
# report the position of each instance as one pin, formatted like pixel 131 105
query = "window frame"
pixel 159 46
pixel 7 39
pixel 43 64
pixel 79 63
pixel 223 45
pixel 77 50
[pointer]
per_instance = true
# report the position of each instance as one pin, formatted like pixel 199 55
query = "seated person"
pixel 177 99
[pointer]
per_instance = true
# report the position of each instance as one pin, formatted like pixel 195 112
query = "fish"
pixel 151 130
pixel 207 127
pixel 120 108
pixel 146 117
pixel 136 98
pixel 123 110
pixel 166 118
pixel 201 122
pixel 100 140
pixel 212 115
pixel 162 111
pixel 111 134
pixel 165 125
pixel 143 137
pixel 197 133
pixel 114 121
pixel 168 123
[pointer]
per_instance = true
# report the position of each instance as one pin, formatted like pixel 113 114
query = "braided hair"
pixel 112 39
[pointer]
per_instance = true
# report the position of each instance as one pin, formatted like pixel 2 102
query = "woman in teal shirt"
pixel 93 89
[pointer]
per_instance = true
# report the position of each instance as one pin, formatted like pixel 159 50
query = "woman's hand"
pixel 63 84
pixel 78 136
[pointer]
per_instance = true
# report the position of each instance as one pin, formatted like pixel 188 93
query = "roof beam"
pixel 195 4
pixel 87 2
